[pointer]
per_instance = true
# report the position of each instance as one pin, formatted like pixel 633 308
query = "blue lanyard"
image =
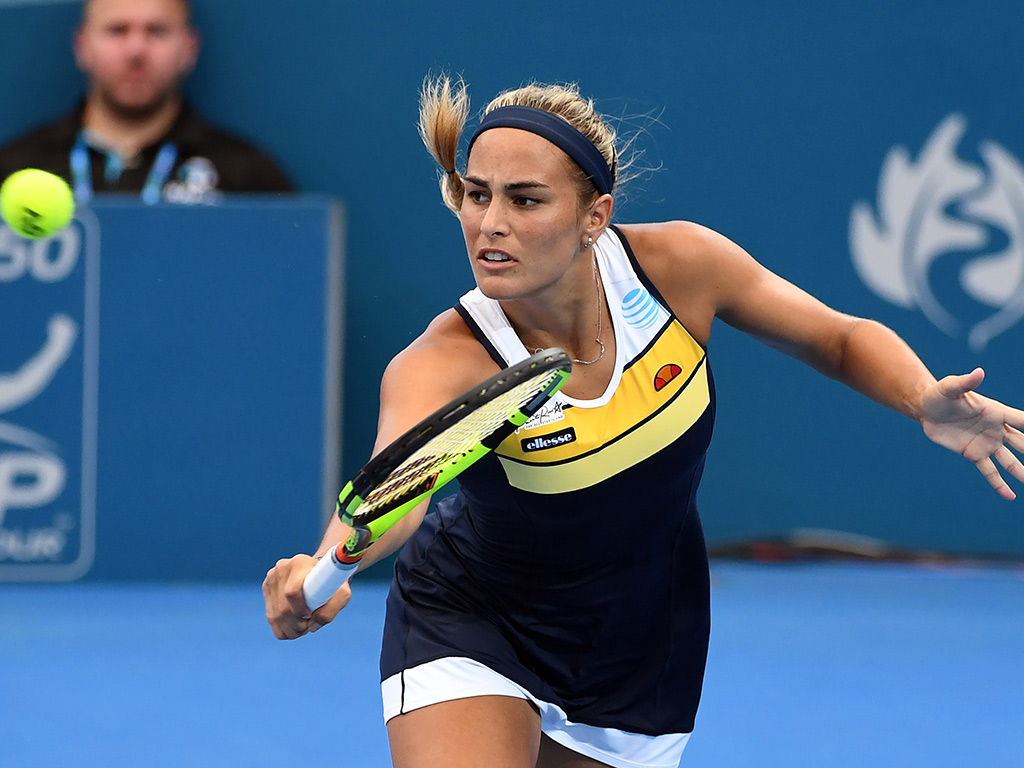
pixel 159 173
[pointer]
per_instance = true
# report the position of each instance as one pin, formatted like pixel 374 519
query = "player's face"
pixel 136 52
pixel 521 216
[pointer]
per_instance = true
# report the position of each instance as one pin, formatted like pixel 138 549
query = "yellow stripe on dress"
pixel 630 448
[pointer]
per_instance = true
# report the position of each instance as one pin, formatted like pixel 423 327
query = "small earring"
pixel 590 242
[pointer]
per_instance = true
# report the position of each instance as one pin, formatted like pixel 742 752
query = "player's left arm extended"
pixel 873 360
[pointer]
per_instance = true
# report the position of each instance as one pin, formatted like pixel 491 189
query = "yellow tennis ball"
pixel 36 203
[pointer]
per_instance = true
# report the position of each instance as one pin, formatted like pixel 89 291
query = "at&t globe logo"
pixel 946 236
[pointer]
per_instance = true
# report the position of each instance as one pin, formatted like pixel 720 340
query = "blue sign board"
pixel 49 368
pixel 177 415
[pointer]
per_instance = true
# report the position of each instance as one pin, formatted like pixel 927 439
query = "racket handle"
pixel 326 578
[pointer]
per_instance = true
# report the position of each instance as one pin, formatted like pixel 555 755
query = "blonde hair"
pixel 444 109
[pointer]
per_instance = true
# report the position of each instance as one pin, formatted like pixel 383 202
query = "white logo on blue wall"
pixel 640 309
pixel 32 473
pixel 947 237
pixel 48 300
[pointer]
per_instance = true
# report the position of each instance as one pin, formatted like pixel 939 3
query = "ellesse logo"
pixel 553 440
pixel 664 375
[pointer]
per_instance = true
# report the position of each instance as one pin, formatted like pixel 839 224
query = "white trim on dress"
pixel 459 677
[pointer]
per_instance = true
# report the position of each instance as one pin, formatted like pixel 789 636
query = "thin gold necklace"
pixel 600 323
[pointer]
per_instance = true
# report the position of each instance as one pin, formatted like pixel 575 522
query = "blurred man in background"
pixel 134 132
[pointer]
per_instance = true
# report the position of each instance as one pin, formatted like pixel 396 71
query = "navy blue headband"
pixel 558 132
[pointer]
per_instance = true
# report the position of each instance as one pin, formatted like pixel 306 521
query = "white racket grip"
pixel 326 578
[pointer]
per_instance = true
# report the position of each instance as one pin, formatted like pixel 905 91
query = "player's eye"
pixel 521 201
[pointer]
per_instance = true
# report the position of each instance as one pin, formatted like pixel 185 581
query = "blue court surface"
pixel 813 664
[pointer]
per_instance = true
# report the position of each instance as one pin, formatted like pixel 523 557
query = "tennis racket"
pixel 429 455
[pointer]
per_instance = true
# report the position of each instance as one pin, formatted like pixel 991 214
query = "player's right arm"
pixel 439 365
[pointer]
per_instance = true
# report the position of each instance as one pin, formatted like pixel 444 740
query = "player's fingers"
pixel 284 621
pixel 272 602
pixel 326 613
pixel 1009 462
pixel 1014 437
pixel 958 385
pixel 291 628
pixel 285 625
pixel 297 604
pixel 273 579
pixel 286 608
pixel 297 628
pixel 989 471
pixel 292 589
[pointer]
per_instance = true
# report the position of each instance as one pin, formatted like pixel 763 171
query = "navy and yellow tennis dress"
pixel 570 569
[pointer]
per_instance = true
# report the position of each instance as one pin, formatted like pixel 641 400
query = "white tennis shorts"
pixel 453 678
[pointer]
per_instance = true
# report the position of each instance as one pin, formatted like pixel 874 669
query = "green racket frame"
pixel 370 524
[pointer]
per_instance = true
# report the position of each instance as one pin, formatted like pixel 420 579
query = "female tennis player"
pixel 555 612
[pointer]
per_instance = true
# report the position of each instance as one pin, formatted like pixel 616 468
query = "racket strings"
pixel 451 445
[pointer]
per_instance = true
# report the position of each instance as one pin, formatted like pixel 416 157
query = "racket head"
pixel 446 442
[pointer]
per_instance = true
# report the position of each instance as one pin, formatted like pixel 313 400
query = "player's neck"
pixel 128 134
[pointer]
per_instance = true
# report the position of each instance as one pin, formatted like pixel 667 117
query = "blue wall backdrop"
pixel 866 151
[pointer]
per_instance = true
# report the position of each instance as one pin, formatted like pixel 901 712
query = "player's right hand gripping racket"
pixel 429 455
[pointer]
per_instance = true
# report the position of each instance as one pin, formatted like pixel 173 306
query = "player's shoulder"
pixel 446 357
pixel 671 237
pixel 673 248
pixel 696 269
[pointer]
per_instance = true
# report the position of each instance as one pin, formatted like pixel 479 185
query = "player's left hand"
pixel 979 428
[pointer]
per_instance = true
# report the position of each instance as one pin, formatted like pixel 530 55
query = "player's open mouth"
pixel 495 256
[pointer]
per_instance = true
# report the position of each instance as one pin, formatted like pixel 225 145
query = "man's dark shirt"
pixel 208 160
